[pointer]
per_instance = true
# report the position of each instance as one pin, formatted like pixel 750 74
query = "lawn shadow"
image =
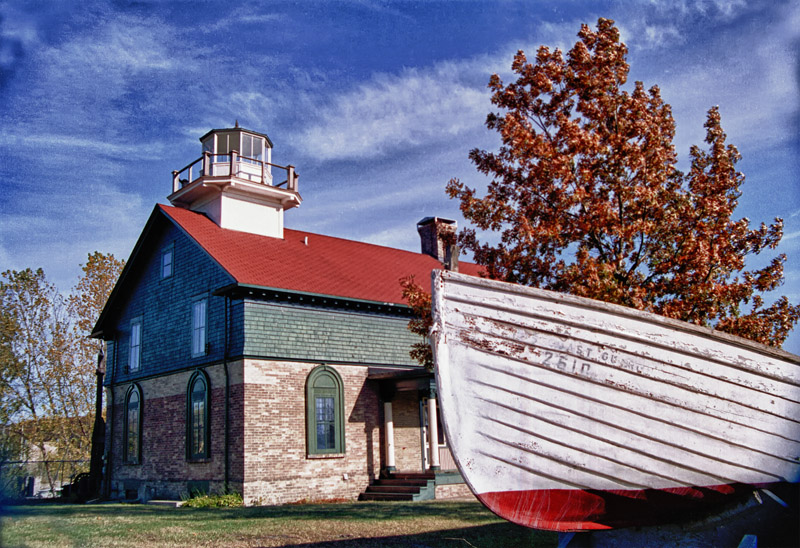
pixel 471 511
pixel 467 524
pixel 507 535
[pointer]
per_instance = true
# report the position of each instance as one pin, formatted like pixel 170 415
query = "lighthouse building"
pixel 244 356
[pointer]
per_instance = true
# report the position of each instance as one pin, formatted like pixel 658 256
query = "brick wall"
pixel 268 461
pixel 407 440
pixel 453 490
pixel 435 235
pixel 164 471
pixel 277 467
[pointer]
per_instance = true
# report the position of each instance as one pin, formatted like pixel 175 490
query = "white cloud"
pixel 398 237
pixel 562 35
pixel 66 226
pixel 78 144
pixel 98 82
pixel 18 26
pixel 790 245
pixel 745 73
pixel 244 15
pixel 791 236
pixel 252 108
pixel 114 49
pixel 394 111
pixel 658 35
pixel 723 9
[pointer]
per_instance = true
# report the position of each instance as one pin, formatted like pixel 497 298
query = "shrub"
pixel 231 500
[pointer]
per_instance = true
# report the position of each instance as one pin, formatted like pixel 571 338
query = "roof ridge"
pixel 317 234
pixel 334 266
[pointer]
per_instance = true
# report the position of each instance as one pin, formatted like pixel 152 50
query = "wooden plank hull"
pixel 567 414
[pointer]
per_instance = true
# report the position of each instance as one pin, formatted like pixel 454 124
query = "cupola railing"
pixel 232 165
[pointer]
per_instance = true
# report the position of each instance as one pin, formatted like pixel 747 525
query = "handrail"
pixel 234 160
pixel 189 165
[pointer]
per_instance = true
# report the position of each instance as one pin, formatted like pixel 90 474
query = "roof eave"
pixel 226 290
pixel 98 330
pixel 264 135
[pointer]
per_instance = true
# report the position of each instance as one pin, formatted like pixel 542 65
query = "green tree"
pixel 587 199
pixel 47 361
pixel 100 274
pixel 35 332
pixel 89 296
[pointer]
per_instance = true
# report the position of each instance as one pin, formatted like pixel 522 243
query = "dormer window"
pixel 166 262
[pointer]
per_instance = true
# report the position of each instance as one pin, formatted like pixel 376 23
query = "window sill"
pixel 198 461
pixel 325 455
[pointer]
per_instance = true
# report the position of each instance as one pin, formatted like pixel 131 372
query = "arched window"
pixel 133 425
pixel 324 411
pixel 197 428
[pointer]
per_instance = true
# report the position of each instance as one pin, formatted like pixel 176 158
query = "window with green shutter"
pixel 197 427
pixel 132 434
pixel 324 412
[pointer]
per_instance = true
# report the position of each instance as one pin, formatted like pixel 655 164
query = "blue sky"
pixel 376 103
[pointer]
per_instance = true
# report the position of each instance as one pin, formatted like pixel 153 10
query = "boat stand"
pixel 765 519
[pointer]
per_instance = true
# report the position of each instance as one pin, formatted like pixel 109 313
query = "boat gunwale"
pixel 621 369
pixel 640 340
pixel 615 309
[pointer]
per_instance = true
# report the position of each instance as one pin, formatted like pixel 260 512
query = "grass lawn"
pixel 419 524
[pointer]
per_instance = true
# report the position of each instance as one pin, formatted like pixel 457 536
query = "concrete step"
pixel 171 503
pixel 412 475
pixel 403 482
pixel 386 496
pixel 412 489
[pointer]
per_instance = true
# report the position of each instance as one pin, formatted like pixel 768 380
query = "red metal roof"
pixel 313 263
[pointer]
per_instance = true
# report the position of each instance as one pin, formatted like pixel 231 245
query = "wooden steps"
pixel 401 486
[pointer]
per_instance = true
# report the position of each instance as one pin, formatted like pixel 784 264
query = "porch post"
pixel 433 431
pixel 388 389
pixel 389 429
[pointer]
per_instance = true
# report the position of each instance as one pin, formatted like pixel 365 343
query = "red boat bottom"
pixel 586 510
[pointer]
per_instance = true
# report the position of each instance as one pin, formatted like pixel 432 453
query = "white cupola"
pixel 232 183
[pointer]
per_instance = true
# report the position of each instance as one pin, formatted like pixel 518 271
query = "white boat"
pixel 570 414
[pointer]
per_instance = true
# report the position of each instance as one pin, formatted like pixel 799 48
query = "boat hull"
pixel 567 414
pixel 587 510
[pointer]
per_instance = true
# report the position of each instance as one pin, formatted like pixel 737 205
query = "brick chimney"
pixel 438 239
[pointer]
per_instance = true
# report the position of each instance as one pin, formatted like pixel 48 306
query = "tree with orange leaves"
pixel 587 198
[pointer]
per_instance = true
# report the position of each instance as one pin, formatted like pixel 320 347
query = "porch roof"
pixel 405 380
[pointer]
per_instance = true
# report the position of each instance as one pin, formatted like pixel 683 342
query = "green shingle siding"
pixel 321 334
pixel 293 330
pixel 165 308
